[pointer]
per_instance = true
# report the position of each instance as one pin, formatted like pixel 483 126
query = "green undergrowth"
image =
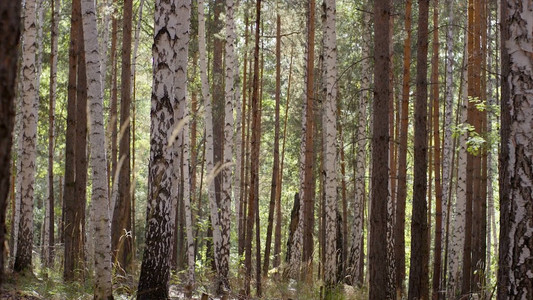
pixel 48 283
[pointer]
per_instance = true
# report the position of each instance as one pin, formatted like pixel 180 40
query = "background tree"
pixel 418 272
pixel 378 264
pixel 10 34
pixel 330 147
pixel 121 222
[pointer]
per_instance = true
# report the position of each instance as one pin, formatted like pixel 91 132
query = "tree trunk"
pixel 447 143
pixel 355 268
pixel 515 264
pixel 48 246
pixel 155 269
pixel 456 251
pixel 71 206
pixel 121 222
pixel 9 49
pixel 254 156
pixel 78 206
pixel 227 174
pixel 99 195
pixel 277 234
pixel 275 166
pixel 378 263
pixel 418 272
pixel 401 194
pixel 308 185
pixel 436 155
pixel 181 117
pixel 28 139
pixel 330 147
pixel 112 123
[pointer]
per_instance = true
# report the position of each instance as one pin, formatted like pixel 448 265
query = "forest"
pixel 274 149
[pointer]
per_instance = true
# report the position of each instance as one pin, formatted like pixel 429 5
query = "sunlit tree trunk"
pixel 418 272
pixel 28 139
pixel 99 193
pixel 181 117
pixel 9 49
pixel 155 268
pixel 516 259
pixel 457 230
pixel 227 174
pixel 330 145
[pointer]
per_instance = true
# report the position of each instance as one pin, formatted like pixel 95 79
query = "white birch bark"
pixel 99 194
pixel 330 143
pixel 225 209
pixel 155 269
pixel 356 250
pixel 457 240
pixel 187 198
pixel 104 9
pixel 181 115
pixel 490 170
pixel 209 153
pixel 448 115
pixel 238 148
pixel 28 138
pixel 517 261
pixel 297 240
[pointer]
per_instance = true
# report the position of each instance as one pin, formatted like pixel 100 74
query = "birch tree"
pixel 181 115
pixel 457 231
pixel 516 261
pixel 225 209
pixel 28 138
pixel 155 269
pixel 209 152
pixel 99 194
pixel 9 34
pixel 448 114
pixel 357 252
pixel 330 144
